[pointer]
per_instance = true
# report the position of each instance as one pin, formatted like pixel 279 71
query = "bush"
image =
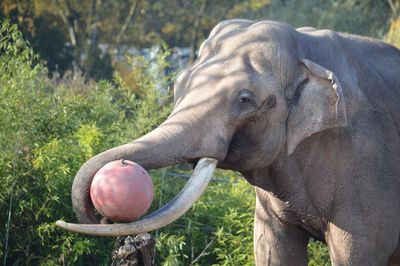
pixel 52 127
pixel 216 230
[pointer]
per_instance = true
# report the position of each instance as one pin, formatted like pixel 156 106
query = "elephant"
pixel 309 117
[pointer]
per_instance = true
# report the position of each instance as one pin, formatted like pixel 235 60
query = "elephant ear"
pixel 317 104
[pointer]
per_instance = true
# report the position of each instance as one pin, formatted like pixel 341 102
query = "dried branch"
pixel 132 11
pixel 203 253
pixel 395 7
pixel 68 21
pixel 194 37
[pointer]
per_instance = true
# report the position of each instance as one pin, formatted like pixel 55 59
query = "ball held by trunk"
pixel 122 191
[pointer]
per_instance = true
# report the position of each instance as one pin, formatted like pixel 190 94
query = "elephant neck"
pixel 302 186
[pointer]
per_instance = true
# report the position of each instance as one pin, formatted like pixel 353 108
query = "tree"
pixel 393 34
pixel 76 28
pixel 68 33
pixel 358 17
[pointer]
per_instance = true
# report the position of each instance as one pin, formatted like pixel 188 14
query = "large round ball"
pixel 122 191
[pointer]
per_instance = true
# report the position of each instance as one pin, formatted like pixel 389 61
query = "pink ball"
pixel 122 191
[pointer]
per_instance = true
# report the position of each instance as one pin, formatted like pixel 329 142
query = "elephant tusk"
pixel 165 215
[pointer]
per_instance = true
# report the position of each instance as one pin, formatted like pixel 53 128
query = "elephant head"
pixel 250 96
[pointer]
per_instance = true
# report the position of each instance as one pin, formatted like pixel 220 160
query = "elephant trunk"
pixel 160 147
pixel 168 144
pixel 145 151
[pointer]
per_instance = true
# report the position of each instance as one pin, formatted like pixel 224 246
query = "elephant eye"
pixel 244 99
pixel 245 102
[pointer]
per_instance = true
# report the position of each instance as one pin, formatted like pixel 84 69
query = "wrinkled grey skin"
pixel 310 117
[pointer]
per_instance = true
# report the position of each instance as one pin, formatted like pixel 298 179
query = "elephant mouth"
pixel 193 189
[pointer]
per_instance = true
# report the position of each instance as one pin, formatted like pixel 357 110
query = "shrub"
pixel 51 128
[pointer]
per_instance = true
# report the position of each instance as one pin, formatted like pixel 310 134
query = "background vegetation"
pixel 84 36
pixel 63 100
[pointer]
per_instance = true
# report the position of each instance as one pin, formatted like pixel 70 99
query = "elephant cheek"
pixel 214 147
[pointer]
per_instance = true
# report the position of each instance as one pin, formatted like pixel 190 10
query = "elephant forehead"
pixel 234 36
pixel 235 44
pixel 225 73
pixel 220 74
pixel 218 67
pixel 210 77
pixel 206 72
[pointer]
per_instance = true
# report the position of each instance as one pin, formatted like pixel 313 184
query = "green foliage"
pixel 67 33
pixel 358 17
pixel 217 230
pixel 234 237
pixel 51 128
pixel 44 141
pixel 318 254
pixel 148 91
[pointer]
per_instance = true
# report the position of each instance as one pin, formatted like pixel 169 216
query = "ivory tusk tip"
pixel 61 223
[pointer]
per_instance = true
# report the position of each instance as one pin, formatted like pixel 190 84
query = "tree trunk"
pixel 136 250
pixel 195 31
pixel 70 18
